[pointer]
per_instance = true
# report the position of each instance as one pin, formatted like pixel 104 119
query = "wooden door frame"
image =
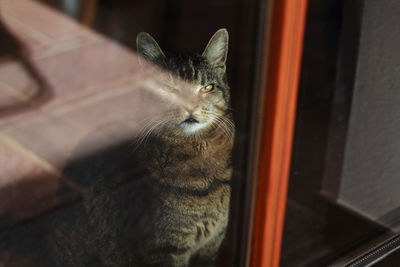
pixel 283 47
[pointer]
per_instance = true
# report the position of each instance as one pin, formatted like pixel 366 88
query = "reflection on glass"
pixel 22 86
pixel 129 163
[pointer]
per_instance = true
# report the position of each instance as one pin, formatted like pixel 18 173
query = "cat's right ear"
pixel 148 48
pixel 217 49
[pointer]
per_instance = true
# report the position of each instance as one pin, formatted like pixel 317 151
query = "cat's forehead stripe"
pixel 191 69
pixel 194 69
pixel 189 72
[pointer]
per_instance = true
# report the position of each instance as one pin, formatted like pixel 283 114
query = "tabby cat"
pixel 163 201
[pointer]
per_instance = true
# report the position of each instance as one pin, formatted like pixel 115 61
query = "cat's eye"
pixel 207 89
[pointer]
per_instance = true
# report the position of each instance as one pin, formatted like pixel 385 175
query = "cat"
pixel 165 200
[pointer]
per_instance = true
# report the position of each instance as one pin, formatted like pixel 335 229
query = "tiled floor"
pixel 92 82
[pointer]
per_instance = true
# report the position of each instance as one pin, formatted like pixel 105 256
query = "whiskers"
pixel 224 123
pixel 155 124
pixel 151 125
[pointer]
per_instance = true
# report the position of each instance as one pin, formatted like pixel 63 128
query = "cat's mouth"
pixel 191 125
pixel 190 120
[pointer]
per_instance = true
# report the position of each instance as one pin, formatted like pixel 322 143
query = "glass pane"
pixel 119 148
pixel 344 184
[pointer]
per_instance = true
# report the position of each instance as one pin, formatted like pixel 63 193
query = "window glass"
pixel 125 131
pixel 344 185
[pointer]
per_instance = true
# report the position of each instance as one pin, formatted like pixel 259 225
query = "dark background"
pixel 345 98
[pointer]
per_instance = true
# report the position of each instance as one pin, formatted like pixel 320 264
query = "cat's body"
pixel 165 200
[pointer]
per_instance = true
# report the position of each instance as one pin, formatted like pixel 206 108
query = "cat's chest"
pixel 203 215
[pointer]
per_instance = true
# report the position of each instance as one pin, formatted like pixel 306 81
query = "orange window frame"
pixel 284 45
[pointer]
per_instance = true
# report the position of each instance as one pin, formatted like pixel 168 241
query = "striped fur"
pixel 166 202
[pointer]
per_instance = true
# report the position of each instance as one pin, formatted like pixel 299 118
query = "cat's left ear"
pixel 217 49
pixel 148 47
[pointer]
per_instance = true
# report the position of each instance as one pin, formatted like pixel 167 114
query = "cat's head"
pixel 193 86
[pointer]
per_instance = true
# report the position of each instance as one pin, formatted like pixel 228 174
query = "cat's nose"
pixel 191 109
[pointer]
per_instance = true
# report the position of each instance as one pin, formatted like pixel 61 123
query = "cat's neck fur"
pixel 205 159
pixel 212 138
